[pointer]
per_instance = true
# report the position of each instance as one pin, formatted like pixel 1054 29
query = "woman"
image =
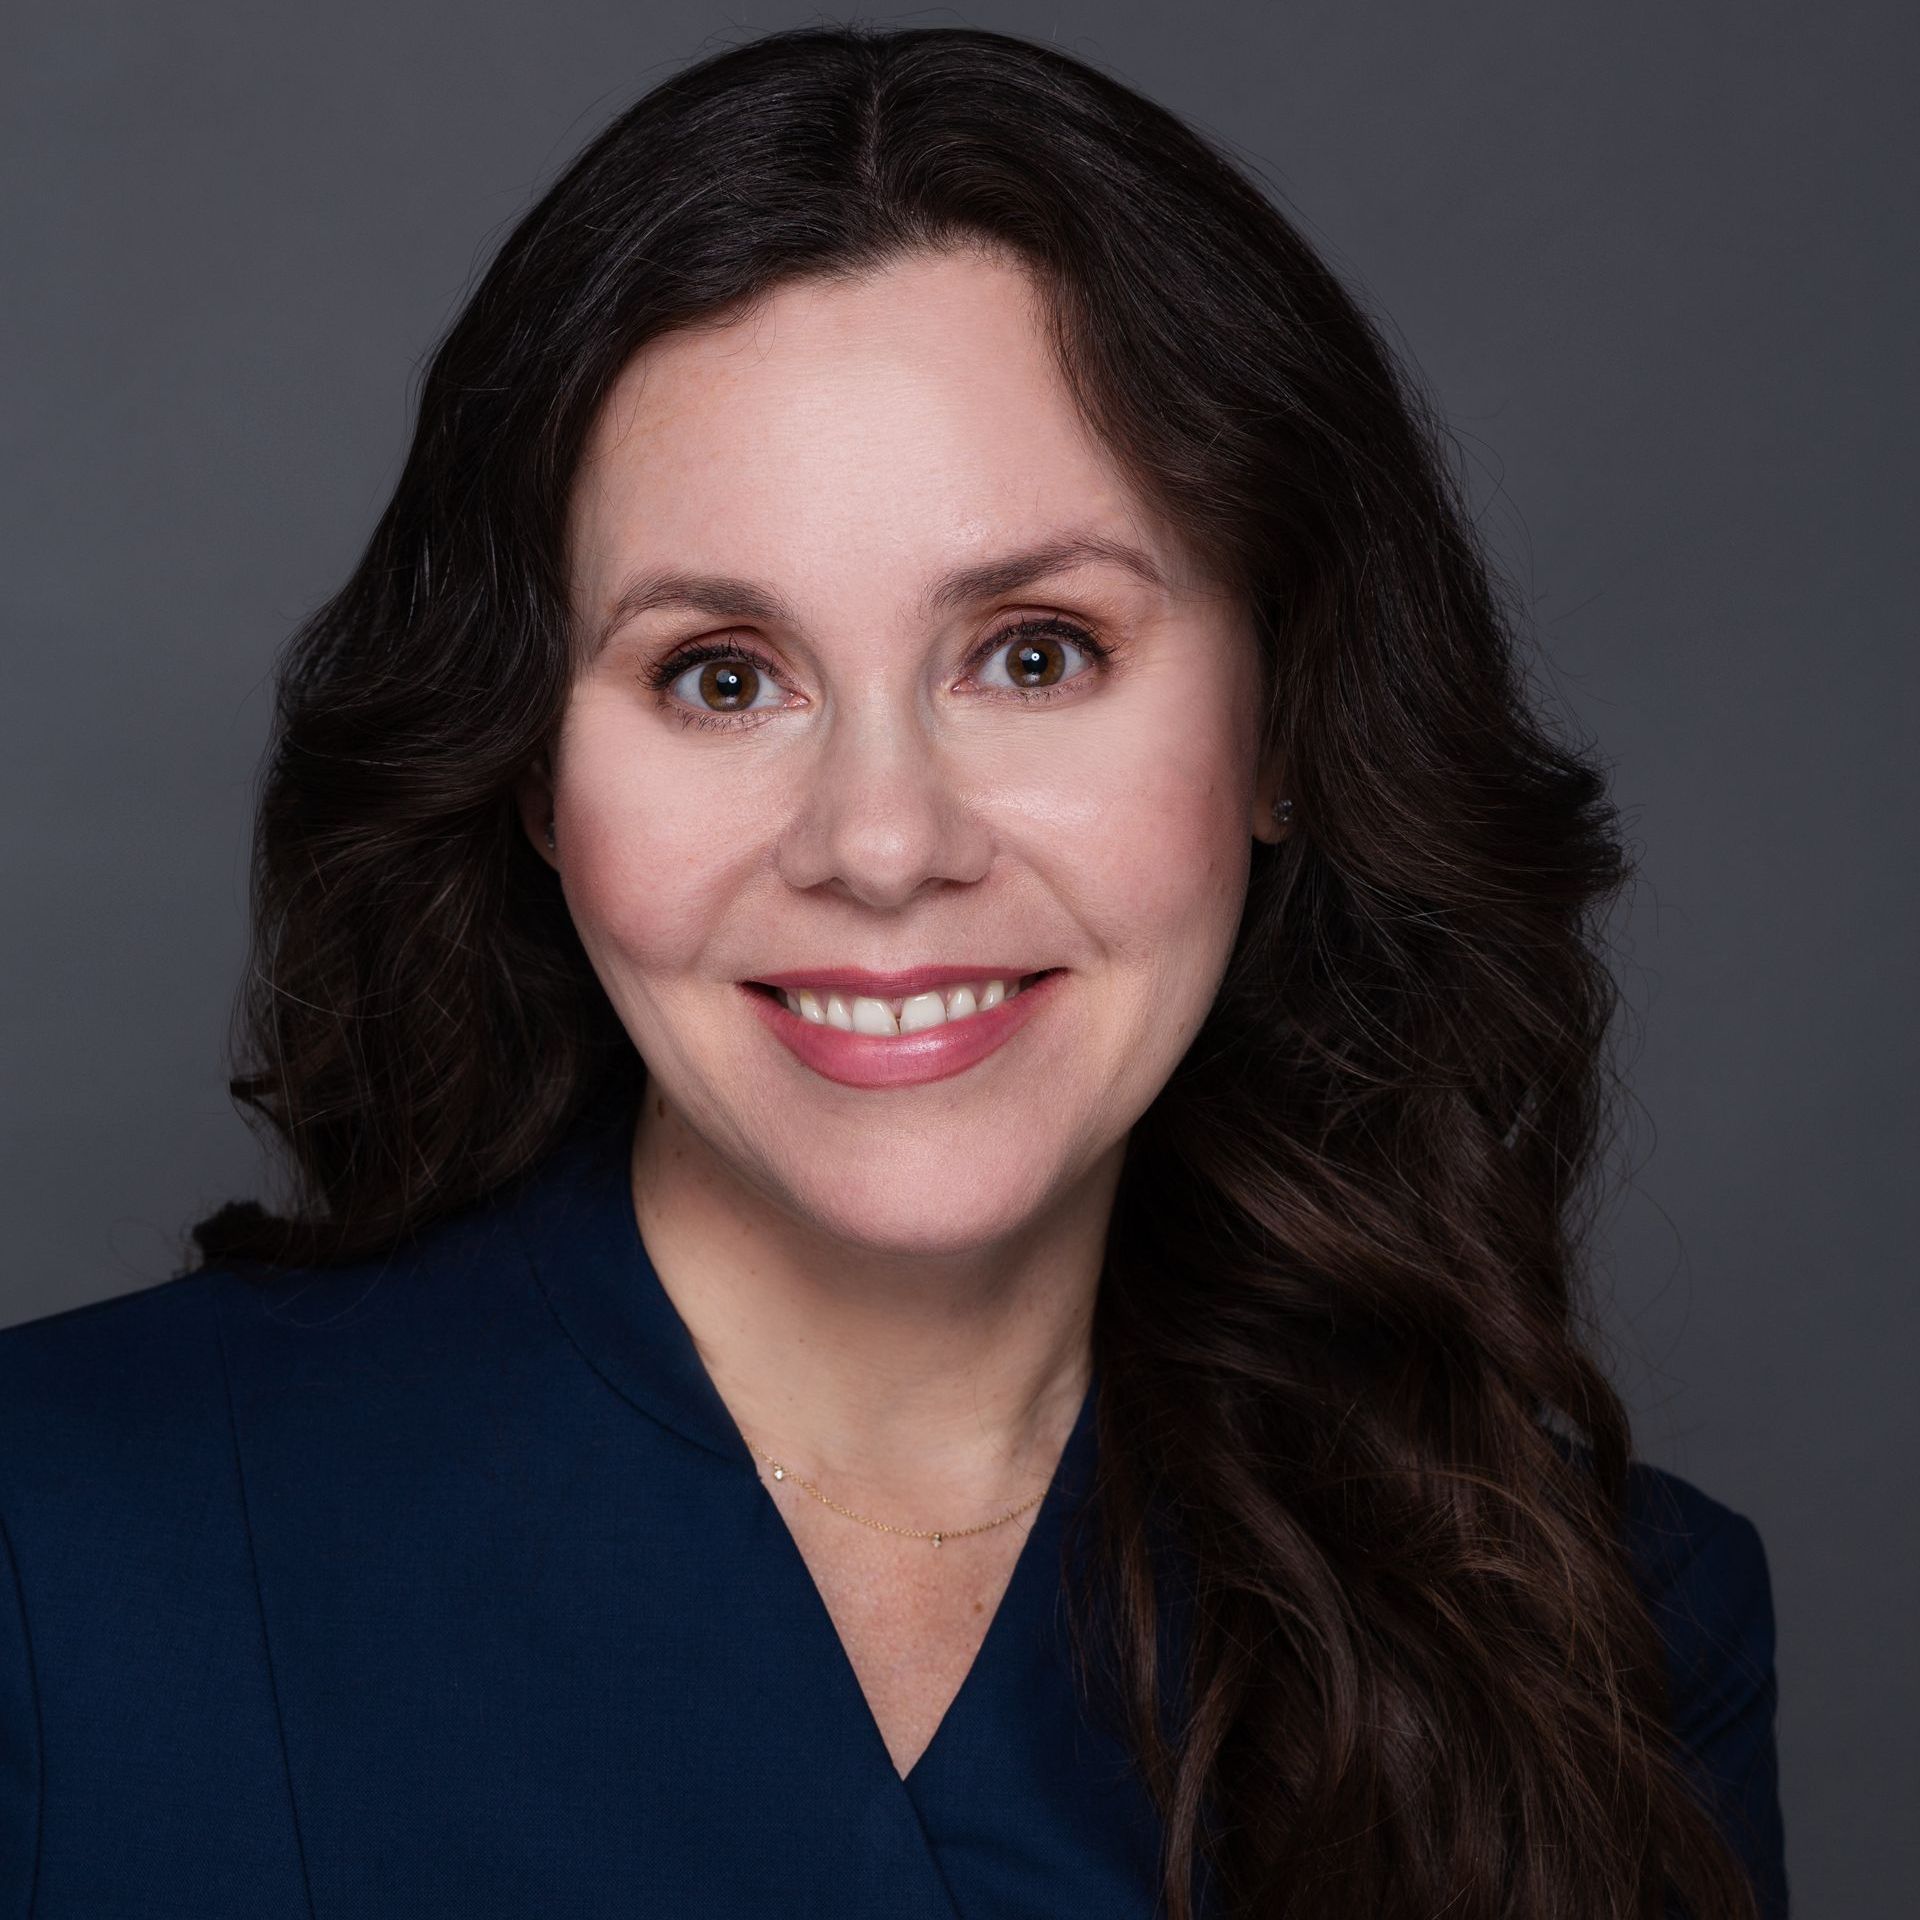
pixel 936 1005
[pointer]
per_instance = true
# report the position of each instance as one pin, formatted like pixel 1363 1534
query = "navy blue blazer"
pixel 445 1585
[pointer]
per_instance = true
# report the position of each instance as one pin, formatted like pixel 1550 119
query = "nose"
pixel 885 813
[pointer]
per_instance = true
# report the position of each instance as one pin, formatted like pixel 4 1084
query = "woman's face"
pixel 877 770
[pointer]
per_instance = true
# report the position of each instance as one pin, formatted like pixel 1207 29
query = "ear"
pixel 533 795
pixel 1268 790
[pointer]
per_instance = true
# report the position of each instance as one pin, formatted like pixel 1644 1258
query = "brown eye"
pixel 1036 663
pixel 1040 654
pixel 727 685
pixel 715 680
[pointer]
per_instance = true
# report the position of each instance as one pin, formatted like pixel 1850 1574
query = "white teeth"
pixel 873 1016
pixel 913 1014
pixel 922 1010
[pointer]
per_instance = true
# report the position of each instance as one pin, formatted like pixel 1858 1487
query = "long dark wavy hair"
pixel 1340 1332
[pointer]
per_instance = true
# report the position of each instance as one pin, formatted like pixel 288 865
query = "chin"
pixel 908 1217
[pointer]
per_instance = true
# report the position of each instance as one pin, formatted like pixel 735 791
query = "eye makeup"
pixel 661 675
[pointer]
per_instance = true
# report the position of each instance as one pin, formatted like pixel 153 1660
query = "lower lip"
pixel 904 1060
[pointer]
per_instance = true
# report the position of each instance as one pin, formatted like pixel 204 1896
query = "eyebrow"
pixel 726 597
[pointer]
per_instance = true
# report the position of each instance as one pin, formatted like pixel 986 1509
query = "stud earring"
pixel 1283 811
pixel 550 841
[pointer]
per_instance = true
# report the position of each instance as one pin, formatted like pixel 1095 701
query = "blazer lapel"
pixel 530 1614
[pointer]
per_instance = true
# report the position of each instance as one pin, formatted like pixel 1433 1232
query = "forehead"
pixel 905 421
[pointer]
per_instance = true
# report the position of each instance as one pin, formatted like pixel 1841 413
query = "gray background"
pixel 1653 260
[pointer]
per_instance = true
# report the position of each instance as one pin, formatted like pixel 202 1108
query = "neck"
pixel 922 1384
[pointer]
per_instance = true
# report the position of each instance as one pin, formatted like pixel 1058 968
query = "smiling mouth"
pixel 946 1005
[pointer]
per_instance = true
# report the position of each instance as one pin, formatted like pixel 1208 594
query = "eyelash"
pixel 664 672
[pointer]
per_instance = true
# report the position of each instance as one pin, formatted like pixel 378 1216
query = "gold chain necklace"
pixel 915 1533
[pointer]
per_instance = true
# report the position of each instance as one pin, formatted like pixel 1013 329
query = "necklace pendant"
pixel 779 1473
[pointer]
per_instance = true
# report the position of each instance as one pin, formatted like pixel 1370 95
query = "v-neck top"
pixel 445 1584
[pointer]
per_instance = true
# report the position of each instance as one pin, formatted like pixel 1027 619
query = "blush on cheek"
pixel 657 894
pixel 634 906
pixel 1176 838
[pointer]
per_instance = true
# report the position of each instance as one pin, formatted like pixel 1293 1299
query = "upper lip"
pixel 890 986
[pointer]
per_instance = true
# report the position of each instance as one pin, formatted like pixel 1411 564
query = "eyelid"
pixel 678 660
pixel 693 653
pixel 1075 633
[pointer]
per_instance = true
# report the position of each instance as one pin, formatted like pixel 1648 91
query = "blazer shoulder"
pixel 133 1688
pixel 1679 1533
pixel 1703 1574
pixel 116 1387
pixel 113 1355
pixel 110 1373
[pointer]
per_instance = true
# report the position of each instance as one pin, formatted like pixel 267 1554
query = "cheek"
pixel 1160 860
pixel 646 863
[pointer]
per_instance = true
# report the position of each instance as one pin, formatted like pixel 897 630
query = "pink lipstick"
pixel 875 1060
